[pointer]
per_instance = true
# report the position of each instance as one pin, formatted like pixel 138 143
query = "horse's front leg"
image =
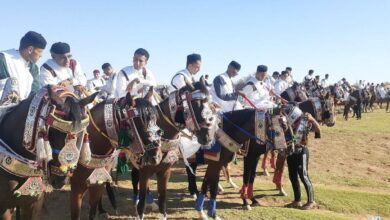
pixel 162 183
pixel 143 186
pixel 135 181
pixel 212 175
pixel 78 188
pixel 95 195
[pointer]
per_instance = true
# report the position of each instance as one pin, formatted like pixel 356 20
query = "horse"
pixel 321 110
pixel 152 157
pixel 355 101
pixel 296 92
pixel 36 136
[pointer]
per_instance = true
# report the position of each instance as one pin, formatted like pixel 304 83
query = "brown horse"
pixel 24 174
pixel 103 146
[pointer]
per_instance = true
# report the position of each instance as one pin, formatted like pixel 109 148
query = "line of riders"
pixel 53 130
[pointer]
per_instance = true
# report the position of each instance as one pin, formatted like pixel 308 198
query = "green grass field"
pixel 349 167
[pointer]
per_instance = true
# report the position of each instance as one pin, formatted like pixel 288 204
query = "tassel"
pixel 49 153
pixel 122 166
pixel 124 137
pixel 40 148
pixel 85 153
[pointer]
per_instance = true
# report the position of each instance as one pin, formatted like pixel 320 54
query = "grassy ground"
pixel 349 166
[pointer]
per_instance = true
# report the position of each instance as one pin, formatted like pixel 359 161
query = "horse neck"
pixel 170 131
pixel 242 118
pixel 99 144
pixel 12 128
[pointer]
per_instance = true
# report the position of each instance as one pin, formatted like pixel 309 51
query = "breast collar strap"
pixel 189 115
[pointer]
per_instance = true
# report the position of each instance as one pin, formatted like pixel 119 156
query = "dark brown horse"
pixel 101 145
pixel 63 115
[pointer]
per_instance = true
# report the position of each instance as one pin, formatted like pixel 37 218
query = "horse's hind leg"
pixel 5 213
pixel 162 182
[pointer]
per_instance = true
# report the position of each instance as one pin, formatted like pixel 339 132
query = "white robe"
pixel 19 72
pixel 139 89
pixel 260 95
pixel 62 73
pixel 179 80
pixel 228 88
pixel 280 86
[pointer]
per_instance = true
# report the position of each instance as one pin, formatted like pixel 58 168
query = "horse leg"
pixel 135 181
pixel 252 180
pixel 212 175
pixel 5 213
pixel 228 177
pixel 162 182
pixel 264 164
pixel 245 179
pixel 143 187
pixel 95 195
pixel 278 175
pixel 192 187
pixel 76 198
pixel 199 203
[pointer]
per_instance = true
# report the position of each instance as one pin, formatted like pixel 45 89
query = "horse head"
pixel 144 116
pixel 198 114
pixel 328 112
pixel 66 128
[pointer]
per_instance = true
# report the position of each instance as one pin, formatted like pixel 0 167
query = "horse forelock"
pixel 147 111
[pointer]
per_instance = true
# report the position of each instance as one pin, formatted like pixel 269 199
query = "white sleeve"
pixel 178 81
pixel 79 76
pixel 121 85
pixel 46 78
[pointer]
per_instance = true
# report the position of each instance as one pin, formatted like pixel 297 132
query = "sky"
pixel 344 38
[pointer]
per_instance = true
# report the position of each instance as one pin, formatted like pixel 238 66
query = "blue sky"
pixel 349 38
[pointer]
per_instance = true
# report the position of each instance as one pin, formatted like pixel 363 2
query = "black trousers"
pixel 298 166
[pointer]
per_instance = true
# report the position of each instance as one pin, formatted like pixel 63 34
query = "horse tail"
pixel 111 195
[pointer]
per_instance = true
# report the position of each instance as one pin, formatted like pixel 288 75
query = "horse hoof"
pixel 202 215
pixel 282 192
pixel 103 215
pixel 162 216
pixel 247 207
pixel 153 206
pixel 265 173
pixel 194 196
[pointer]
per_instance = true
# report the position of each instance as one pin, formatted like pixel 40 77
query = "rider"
pixel 258 91
pixel 97 82
pixel 223 91
pixel 62 69
pixel 18 69
pixel 109 88
pixel 281 85
pixel 186 76
pixel 325 81
pixel 136 79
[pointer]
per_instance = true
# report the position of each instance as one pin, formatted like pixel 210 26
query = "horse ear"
pixel 85 101
pixel 203 85
pixel 129 100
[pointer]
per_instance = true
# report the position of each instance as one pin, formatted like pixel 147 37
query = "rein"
pixel 243 130
pixel 114 142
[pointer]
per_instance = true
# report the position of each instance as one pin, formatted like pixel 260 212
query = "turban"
pixel 235 65
pixel 262 68
pixel 34 39
pixel 60 48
